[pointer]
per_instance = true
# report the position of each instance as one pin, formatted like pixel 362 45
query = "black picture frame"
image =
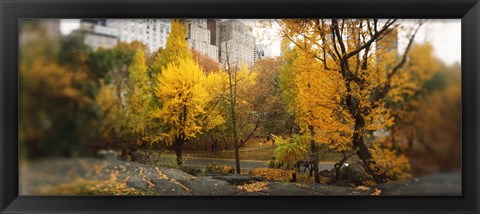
pixel 11 10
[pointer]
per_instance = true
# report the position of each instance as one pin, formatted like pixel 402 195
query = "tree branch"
pixel 371 40
pixel 402 62
pixel 251 134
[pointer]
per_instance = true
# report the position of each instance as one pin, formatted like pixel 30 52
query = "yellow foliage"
pixel 388 162
pixel 138 95
pixel 421 67
pixel 317 103
pixel 176 47
pixel 109 103
pixel 217 87
pixel 183 94
pixel 347 82
pixel 183 91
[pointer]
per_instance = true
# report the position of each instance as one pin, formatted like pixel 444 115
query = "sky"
pixel 444 34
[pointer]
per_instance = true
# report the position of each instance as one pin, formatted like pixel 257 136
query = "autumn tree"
pixel 138 101
pixel 51 89
pixel 429 125
pixel 267 99
pixel 176 48
pixel 111 122
pixel 214 125
pixel 117 76
pixel 290 149
pixel 242 119
pixel 344 82
pixel 185 112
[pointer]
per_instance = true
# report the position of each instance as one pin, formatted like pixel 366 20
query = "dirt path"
pixel 245 165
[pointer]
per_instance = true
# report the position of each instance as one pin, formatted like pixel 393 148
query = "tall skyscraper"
pixel 214 26
pixel 199 38
pixel 237 44
pixel 152 32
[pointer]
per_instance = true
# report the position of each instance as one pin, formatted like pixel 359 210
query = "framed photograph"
pixel 239 106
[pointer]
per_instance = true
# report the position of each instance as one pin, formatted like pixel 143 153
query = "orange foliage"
pixel 273 174
pixel 208 65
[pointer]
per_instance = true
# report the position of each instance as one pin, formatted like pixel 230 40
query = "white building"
pixel 199 38
pixel 97 36
pixel 152 32
pixel 237 44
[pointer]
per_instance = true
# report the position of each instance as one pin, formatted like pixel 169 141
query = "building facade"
pixel 259 51
pixel 237 44
pixel 214 26
pixel 98 35
pixel 199 38
pixel 151 32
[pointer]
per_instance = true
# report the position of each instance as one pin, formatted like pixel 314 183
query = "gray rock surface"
pixel 176 174
pixel 44 174
pixel 336 190
pixel 288 189
pixel 208 186
pixel 137 182
pixel 445 184
pixel 239 179
pixel 167 187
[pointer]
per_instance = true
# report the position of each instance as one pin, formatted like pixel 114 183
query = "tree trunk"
pixel 339 165
pixel 205 141
pixel 394 142
pixel 215 145
pixel 235 140
pixel 237 158
pixel 337 171
pixel 313 147
pixel 234 123
pixel 178 147
pixel 364 154
pixel 410 140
